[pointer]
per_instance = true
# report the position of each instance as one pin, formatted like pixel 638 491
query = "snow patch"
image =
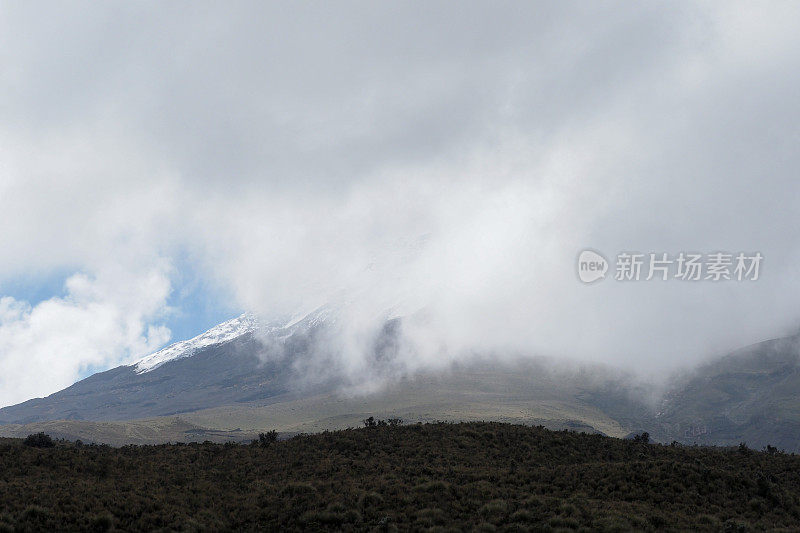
pixel 224 332
pixel 247 323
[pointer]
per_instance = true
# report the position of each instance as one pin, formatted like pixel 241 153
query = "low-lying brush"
pixel 386 477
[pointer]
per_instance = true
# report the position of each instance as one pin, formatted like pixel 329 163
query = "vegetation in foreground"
pixel 384 477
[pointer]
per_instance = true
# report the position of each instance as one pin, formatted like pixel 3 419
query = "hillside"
pixel 262 397
pixel 750 395
pixel 484 476
pixel 237 380
pixel 227 372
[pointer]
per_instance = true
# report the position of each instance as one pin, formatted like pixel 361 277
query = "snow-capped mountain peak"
pixel 245 323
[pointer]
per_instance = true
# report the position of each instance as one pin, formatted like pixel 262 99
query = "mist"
pixel 441 163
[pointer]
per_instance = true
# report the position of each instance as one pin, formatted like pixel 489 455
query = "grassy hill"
pixel 470 476
pixel 749 396
pixel 158 430
pixel 536 392
pixel 529 393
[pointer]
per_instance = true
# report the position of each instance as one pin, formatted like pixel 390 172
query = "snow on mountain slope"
pixel 226 331
pixel 245 323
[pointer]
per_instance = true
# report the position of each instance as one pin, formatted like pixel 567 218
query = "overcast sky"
pixel 164 166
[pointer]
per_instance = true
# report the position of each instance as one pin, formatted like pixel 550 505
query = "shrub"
pixel 34 518
pixel 6 524
pixel 39 440
pixel 432 486
pixel 455 477
pixel 327 518
pixel 494 508
pixel 371 499
pixel 103 522
pixel 431 517
pixel 743 449
pixel 265 439
pixel 298 488
pixel 772 450
pixel 735 526
pixel 523 516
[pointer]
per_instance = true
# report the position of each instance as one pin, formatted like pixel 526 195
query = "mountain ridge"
pixel 241 376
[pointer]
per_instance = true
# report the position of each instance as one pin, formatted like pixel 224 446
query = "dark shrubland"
pixel 386 477
pixel 39 440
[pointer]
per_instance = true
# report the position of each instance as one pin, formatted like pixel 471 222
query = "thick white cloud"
pixel 447 158
pixel 99 322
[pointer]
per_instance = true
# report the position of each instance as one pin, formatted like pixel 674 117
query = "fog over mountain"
pixel 444 163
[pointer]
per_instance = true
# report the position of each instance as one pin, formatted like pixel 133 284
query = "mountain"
pixel 751 395
pixel 243 377
pixel 225 365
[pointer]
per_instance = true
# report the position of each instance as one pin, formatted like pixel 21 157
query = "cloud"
pixel 431 159
pixel 98 323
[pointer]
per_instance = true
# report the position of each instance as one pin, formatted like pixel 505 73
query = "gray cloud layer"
pixel 438 156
